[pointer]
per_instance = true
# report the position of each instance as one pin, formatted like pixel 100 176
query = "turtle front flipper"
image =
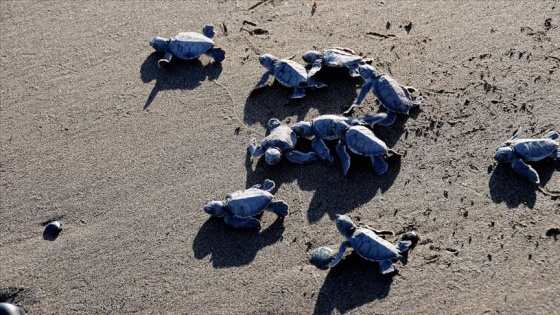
pixel 254 149
pixel 242 223
pixel 389 120
pixel 279 207
pixel 366 87
pixel 217 54
pixel 263 80
pixel 522 168
pixel 353 69
pixel 166 60
pixel 552 135
pixel 299 92
pixel 371 119
pixel 316 66
pixel 341 251
pixel 344 157
pixel 379 165
pixel 403 246
pixel 386 266
pixel 268 185
pixel 298 157
pixel 322 150
pixel 315 84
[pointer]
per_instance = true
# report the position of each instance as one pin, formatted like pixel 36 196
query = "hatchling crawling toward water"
pixel 279 141
pixel 396 98
pixel 517 151
pixel 240 208
pixel 321 128
pixel 365 242
pixel 333 57
pixel 289 73
pixel 188 45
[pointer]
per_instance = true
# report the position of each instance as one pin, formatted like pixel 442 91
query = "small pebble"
pixel 10 309
pixel 52 230
pixel 321 257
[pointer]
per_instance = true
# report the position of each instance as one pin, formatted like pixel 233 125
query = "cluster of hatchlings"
pixel 240 209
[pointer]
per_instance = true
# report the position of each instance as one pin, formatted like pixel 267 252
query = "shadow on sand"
pixel 180 74
pixel 230 247
pixel 351 284
pixel 334 193
pixel 513 189
pixel 274 100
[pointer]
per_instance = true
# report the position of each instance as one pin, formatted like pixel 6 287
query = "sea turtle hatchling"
pixel 321 128
pixel 333 57
pixel 289 73
pixel 366 242
pixel 240 207
pixel 188 45
pixel 516 151
pixel 396 98
pixel 10 309
pixel 360 140
pixel 279 140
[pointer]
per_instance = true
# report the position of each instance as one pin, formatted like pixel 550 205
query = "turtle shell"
pixel 534 149
pixel 190 45
pixel 363 141
pixel 339 58
pixel 249 202
pixel 290 73
pixel 281 137
pixel 372 247
pixel 323 126
pixel 392 95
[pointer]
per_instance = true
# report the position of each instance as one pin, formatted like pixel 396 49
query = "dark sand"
pixel 129 184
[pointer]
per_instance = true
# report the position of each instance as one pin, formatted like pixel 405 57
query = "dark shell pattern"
pixel 281 137
pixel 339 58
pixel 534 149
pixel 290 73
pixel 363 141
pixel 249 202
pixel 190 45
pixel 372 247
pixel 392 95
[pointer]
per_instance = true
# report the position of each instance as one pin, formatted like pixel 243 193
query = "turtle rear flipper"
pixel 242 223
pixel 217 53
pixel 208 31
pixel 298 93
pixel 279 207
pixel 315 84
pixel 268 185
pixel 386 266
pixel 403 246
pixel 316 66
pixel 298 157
pixel 522 168
pixel 162 63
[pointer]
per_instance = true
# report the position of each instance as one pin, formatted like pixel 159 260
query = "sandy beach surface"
pixel 125 155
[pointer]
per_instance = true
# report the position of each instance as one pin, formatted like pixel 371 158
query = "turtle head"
pixel 268 61
pixel 272 156
pixel 504 154
pixel 272 124
pixel 311 56
pixel 345 225
pixel 215 208
pixel 368 72
pixel 303 129
pixel 160 44
pixel 339 128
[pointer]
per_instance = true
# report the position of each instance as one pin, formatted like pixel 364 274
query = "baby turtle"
pixel 395 97
pixel 362 141
pixel 240 207
pixel 333 57
pixel 289 73
pixel 516 151
pixel 279 140
pixel 368 245
pixel 188 45
pixel 321 128
pixel 52 230
pixel 10 309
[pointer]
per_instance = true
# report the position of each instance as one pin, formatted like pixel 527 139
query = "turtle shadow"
pixel 274 100
pixel 179 74
pixel 334 193
pixel 507 186
pixel 351 284
pixel 231 247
